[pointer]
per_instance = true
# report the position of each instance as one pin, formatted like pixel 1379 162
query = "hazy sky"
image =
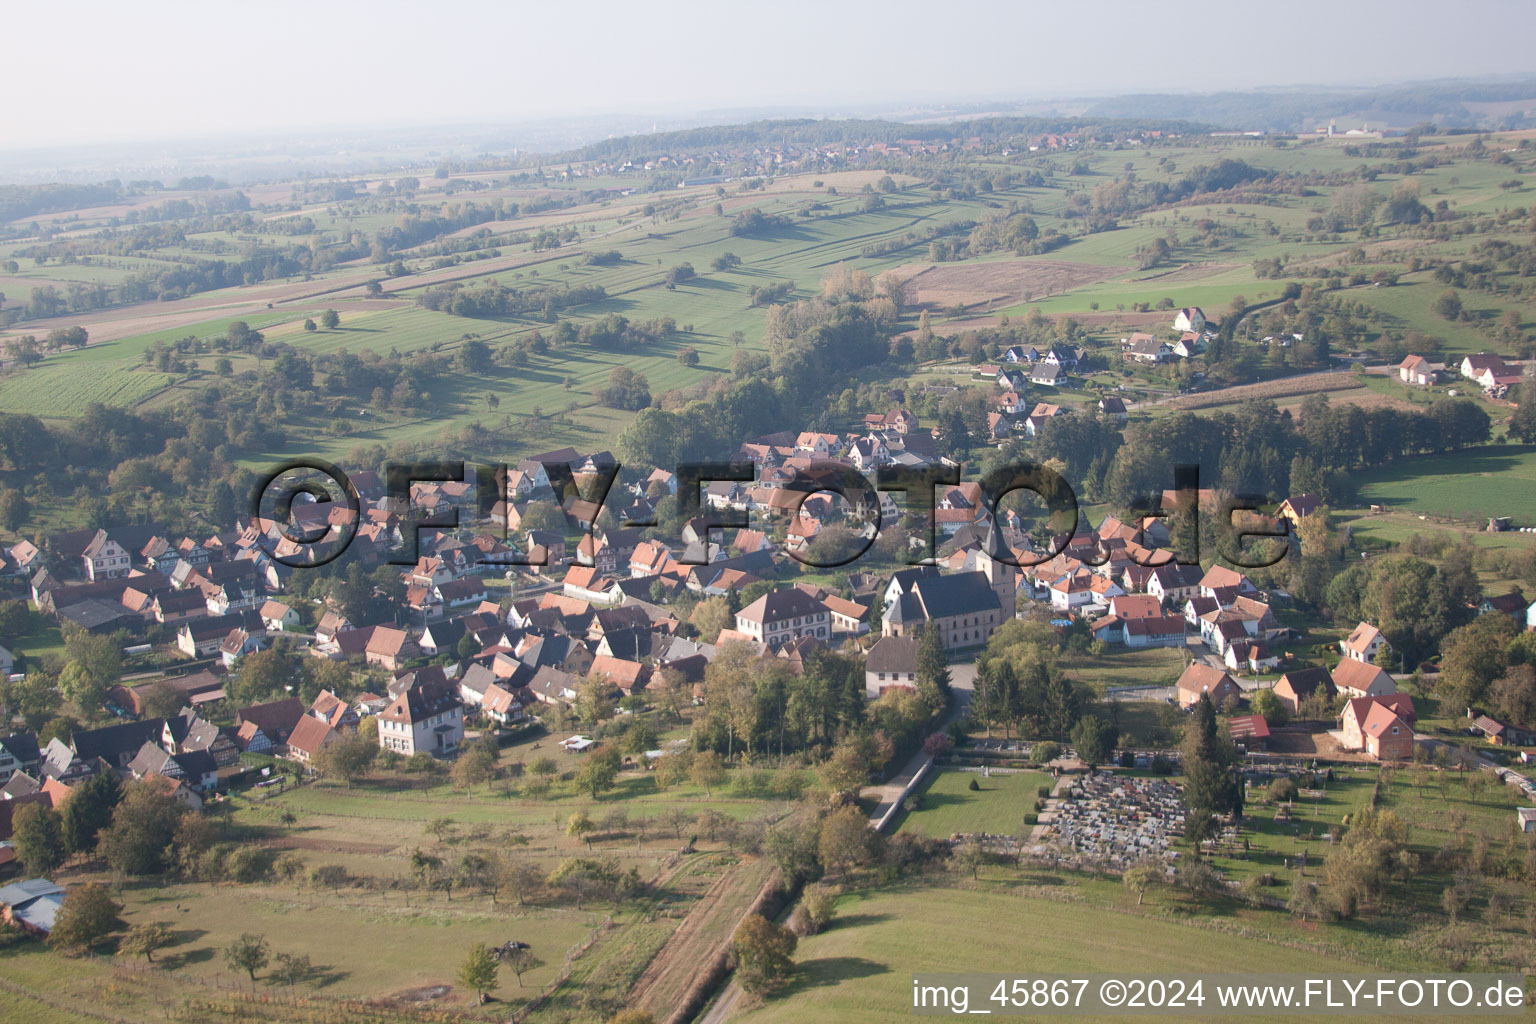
pixel 98 71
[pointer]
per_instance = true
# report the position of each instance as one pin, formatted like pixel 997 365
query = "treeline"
pixel 1253 449
pixel 814 346
pixel 1128 194
pixel 18 201
pixel 413 229
pixel 493 299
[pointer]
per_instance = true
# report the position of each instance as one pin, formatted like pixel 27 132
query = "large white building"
pixel 784 615
pixel 426 719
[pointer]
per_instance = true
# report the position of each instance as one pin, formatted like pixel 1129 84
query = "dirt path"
pixel 668 960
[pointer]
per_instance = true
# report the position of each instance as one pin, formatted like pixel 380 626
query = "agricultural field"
pixel 1095 278
pixel 64 391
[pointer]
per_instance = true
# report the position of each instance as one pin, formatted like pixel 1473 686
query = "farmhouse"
pixel 274 722
pixel 1153 631
pixel 1485 366
pixel 105 558
pixel 310 737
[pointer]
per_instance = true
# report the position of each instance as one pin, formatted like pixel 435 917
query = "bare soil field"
pixel 1004 282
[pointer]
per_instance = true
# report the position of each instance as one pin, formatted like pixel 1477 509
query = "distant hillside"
pixel 1449 104
pixel 806 131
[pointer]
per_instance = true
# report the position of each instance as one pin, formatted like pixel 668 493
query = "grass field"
pixel 1498 480
pixel 1148 666
pixel 949 806
pixel 407 947
pixel 861 968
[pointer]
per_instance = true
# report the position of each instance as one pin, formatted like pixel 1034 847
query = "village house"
pixel 1383 733
pixel 310 736
pixel 1191 318
pixel 1299 507
pixel 236 645
pixel 891 662
pixel 1356 713
pixel 1144 348
pixel 1361 679
pixel 1299 684
pixel 1363 643
pixel 501 705
pixel 1417 370
pixel 1048 375
pixel 1199 678
pixel 105 558
pixel 390 648
pixel 278 616
pixel 426 718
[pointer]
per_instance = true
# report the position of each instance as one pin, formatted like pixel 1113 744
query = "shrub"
pixel 1031 819
pixel 1043 791
pixel 1046 751
pixel 1161 765
pixel 820 905
pixel 973 786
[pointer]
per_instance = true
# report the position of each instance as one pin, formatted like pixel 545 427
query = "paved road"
pixel 962 681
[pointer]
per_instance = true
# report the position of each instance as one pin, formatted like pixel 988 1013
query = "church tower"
pixel 1001 576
